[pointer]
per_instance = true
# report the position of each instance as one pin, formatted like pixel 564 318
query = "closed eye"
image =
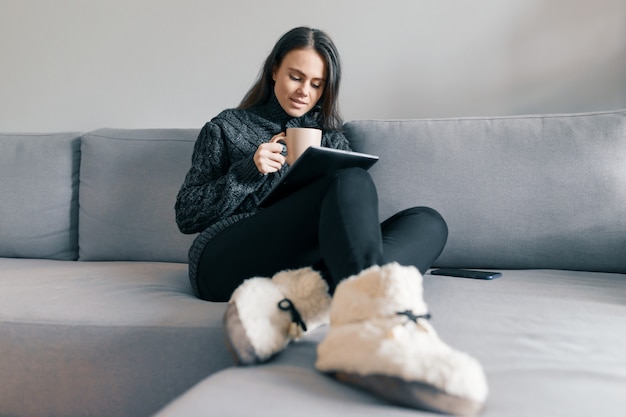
pixel 316 85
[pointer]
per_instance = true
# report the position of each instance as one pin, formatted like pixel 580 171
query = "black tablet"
pixel 314 163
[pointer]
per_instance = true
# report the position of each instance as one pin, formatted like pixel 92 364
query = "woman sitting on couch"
pixel 331 225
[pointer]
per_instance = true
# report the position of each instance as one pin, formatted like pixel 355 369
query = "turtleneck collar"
pixel 273 111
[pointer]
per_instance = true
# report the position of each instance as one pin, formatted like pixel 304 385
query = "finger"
pixel 270 167
pixel 271 147
pixel 271 163
pixel 271 151
pixel 278 137
pixel 277 148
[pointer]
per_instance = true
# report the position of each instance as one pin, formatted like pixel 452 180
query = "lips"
pixel 297 102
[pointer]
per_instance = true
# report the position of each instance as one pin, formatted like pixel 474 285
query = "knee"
pixel 354 173
pixel 430 218
pixel 352 179
pixel 352 187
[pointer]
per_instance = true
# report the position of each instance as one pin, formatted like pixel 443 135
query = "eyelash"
pixel 294 78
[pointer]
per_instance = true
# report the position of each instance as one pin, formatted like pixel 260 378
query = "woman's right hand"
pixel 267 157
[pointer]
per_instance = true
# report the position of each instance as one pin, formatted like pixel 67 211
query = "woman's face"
pixel 299 81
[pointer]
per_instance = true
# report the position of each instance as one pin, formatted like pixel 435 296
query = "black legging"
pixel 332 225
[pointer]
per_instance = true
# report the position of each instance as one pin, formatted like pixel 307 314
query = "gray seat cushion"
pixel 102 338
pixel 551 343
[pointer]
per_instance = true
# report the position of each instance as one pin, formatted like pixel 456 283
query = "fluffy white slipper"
pixel 380 340
pixel 264 315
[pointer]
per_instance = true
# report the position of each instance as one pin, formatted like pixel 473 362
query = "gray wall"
pixel 79 64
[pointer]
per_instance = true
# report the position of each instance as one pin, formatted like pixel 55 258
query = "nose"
pixel 303 91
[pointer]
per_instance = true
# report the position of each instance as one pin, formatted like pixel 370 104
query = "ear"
pixel 274 72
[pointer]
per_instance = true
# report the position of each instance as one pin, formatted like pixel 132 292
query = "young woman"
pixel 309 241
pixel 331 225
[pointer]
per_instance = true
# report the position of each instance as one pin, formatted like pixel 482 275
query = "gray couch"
pixel 97 317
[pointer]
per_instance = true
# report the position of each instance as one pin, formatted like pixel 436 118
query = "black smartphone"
pixel 466 273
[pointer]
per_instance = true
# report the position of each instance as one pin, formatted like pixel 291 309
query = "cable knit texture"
pixel 223 185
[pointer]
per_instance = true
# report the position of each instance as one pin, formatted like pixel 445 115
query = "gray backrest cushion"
pixel 39 195
pixel 128 185
pixel 517 192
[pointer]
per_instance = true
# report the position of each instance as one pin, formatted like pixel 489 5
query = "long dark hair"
pixel 302 38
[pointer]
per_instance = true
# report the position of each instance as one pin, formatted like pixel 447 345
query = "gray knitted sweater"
pixel 223 185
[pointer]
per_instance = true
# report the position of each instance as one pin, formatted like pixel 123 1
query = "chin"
pixel 297 113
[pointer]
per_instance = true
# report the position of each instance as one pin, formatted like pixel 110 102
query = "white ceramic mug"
pixel 298 139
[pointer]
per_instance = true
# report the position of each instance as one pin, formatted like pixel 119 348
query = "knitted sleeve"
pixel 215 186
